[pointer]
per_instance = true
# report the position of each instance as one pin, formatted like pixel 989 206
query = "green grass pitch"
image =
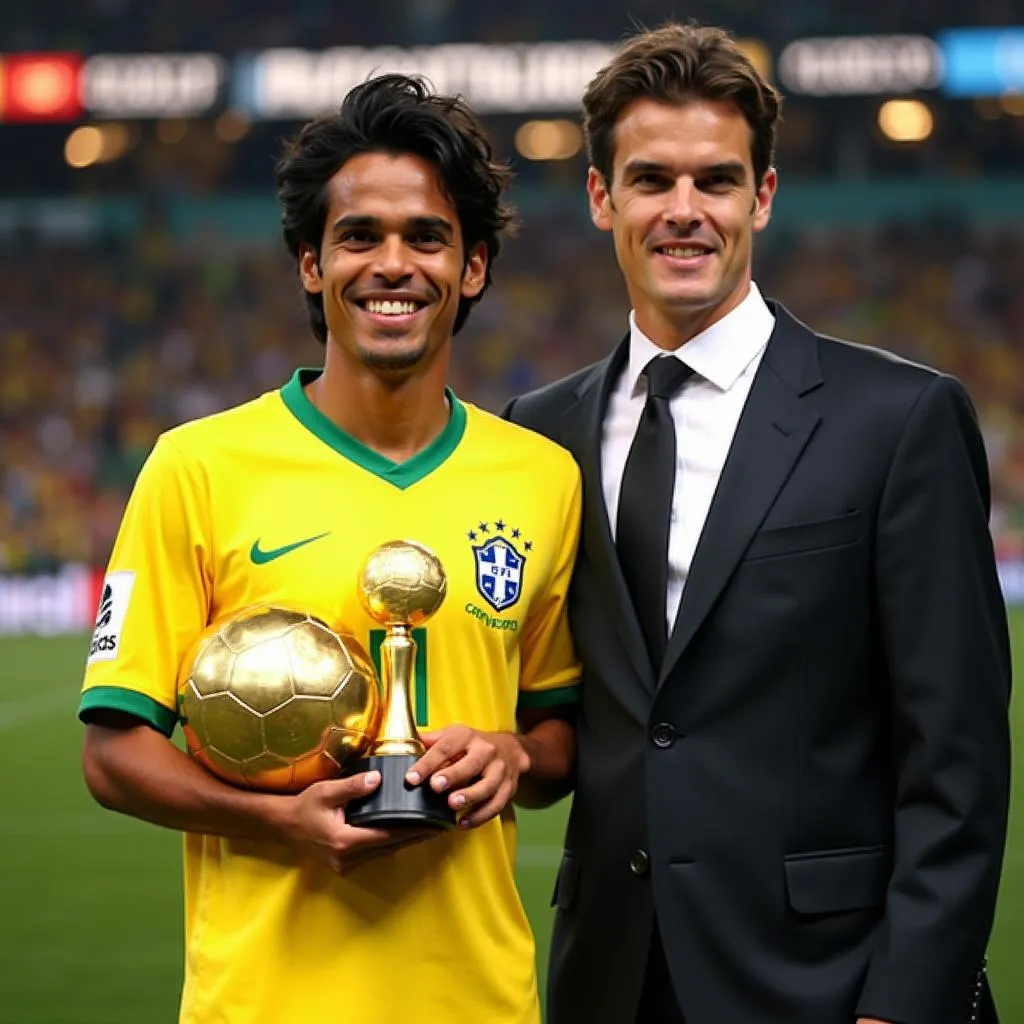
pixel 91 930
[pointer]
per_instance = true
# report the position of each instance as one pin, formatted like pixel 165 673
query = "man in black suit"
pixel 791 793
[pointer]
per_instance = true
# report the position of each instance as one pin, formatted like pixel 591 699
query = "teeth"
pixel 683 252
pixel 389 307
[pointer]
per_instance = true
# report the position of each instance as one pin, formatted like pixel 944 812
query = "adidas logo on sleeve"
pixel 106 635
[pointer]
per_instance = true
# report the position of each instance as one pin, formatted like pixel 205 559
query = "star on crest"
pixel 507 533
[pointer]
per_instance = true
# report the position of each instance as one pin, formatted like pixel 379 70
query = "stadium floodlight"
pixel 1012 103
pixel 96 144
pixel 905 120
pixel 548 140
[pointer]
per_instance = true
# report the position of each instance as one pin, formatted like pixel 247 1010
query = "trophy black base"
pixel 396 804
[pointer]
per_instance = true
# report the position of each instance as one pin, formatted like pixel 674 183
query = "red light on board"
pixel 40 87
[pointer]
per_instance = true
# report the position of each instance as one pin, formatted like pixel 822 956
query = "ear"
pixel 599 195
pixel 474 276
pixel 309 271
pixel 764 198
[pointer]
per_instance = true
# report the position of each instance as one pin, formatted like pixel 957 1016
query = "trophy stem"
pixel 401 585
pixel 398 660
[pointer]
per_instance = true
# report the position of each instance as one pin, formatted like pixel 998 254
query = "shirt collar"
pixel 720 353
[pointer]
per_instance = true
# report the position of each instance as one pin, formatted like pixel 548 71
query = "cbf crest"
pixel 500 564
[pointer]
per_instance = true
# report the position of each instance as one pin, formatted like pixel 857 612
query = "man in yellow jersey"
pixel 392 209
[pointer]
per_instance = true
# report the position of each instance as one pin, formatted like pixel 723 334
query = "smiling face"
pixel 392 264
pixel 682 208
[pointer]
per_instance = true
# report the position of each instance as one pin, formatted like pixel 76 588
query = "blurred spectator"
pixel 146 335
pixel 232 26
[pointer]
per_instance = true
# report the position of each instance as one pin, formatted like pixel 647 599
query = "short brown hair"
pixel 677 64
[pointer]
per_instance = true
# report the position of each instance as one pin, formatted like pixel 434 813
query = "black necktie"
pixel 645 502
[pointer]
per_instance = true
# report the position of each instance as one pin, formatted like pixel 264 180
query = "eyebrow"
pixel 356 221
pixel 635 167
pixel 734 167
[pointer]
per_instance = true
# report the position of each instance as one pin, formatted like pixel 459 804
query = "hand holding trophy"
pixel 401 585
pixel 274 699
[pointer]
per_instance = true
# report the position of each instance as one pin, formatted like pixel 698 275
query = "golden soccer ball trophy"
pixel 401 585
pixel 274 699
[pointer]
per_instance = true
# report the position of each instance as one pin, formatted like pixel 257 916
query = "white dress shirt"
pixel 724 359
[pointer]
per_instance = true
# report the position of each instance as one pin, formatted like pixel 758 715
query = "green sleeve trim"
pixel 549 698
pixel 114 698
pixel 399 474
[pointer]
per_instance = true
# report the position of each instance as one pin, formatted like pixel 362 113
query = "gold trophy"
pixel 401 585
pixel 274 699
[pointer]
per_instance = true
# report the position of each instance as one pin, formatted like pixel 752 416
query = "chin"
pixel 392 358
pixel 689 300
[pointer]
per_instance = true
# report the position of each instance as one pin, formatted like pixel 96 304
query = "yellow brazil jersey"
pixel 271 503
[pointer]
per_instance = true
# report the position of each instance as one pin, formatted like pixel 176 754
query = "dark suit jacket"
pixel 812 794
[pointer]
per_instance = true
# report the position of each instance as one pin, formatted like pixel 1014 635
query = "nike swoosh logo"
pixel 261 557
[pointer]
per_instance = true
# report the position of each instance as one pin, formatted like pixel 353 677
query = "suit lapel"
pixel 773 430
pixel 581 432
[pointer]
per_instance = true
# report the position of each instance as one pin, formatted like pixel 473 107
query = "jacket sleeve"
pixel 944 630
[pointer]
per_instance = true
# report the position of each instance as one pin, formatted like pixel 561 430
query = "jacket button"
pixel 663 735
pixel 639 863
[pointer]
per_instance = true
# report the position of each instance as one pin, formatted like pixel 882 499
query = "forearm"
pixel 551 747
pixel 138 772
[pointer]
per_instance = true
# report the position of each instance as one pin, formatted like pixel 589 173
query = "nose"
pixel 392 259
pixel 683 207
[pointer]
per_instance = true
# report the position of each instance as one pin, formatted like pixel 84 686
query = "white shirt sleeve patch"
pixel 106 636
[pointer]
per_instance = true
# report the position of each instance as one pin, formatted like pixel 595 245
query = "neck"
pixel 397 417
pixel 671 329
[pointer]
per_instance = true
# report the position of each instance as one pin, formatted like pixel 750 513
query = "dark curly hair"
pixel 397 114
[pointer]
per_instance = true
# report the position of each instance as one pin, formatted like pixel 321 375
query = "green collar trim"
pixel 400 474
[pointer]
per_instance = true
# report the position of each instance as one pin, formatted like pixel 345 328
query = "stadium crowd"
pixel 147 334
pixel 233 26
